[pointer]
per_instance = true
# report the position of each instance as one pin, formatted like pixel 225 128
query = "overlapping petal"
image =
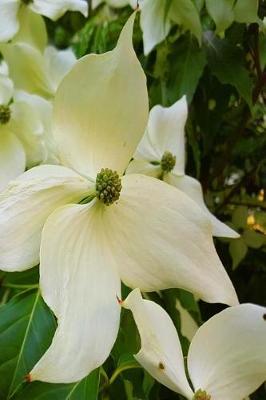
pixel 227 356
pixel 55 9
pixel 153 23
pixel 12 157
pixel 25 206
pixel 100 125
pixel 6 89
pixel 80 283
pixel 166 132
pixel 160 353
pixel 8 19
pixel 160 238
pixel 193 189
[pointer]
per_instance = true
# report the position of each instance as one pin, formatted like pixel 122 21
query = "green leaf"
pixel 239 217
pixel 87 388
pixel 246 11
pixel 238 250
pixel 185 13
pixel 221 12
pixel 186 65
pixel 226 62
pixel 254 239
pixel 26 330
pixel 126 362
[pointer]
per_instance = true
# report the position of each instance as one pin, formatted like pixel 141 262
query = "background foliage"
pixel 224 78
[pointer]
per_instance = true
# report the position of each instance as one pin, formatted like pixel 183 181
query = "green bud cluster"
pixel 201 395
pixel 108 186
pixel 5 114
pixel 168 161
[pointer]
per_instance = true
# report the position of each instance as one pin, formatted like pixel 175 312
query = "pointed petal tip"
pixel 131 299
pixel 28 378
pixel 125 38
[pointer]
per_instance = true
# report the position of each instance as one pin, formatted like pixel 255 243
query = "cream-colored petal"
pixel 6 89
pixel 31 121
pixel 160 238
pixel 193 189
pixel 144 167
pixel 154 24
pixel 227 356
pixel 166 132
pixel 12 157
pixel 28 68
pixel 9 24
pixel 101 114
pixel 32 29
pixel 160 353
pixel 59 63
pixel 80 283
pixel 25 206
pixel 54 9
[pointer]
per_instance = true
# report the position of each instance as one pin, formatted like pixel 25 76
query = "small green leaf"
pixel 26 330
pixel 238 250
pixel 254 239
pixel 227 63
pixel 187 63
pixel 246 11
pixel 185 13
pixel 87 388
pixel 221 12
pixel 126 362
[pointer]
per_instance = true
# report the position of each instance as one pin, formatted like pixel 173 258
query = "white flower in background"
pixel 161 154
pixel 25 132
pixel 158 16
pixel 10 12
pixel 226 358
pixel 132 228
pixel 33 66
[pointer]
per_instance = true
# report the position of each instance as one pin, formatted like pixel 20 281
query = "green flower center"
pixel 201 395
pixel 5 114
pixel 108 186
pixel 168 161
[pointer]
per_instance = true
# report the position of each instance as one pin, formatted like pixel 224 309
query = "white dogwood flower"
pixel 25 131
pixel 161 154
pixel 33 66
pixel 226 358
pixel 11 10
pixel 132 228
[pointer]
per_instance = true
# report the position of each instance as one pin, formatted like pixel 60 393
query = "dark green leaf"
pixel 26 330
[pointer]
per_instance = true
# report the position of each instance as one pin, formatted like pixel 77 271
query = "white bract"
pixel 161 154
pixel 11 10
pixel 132 228
pixel 158 16
pixel 226 358
pixel 25 132
pixel 33 66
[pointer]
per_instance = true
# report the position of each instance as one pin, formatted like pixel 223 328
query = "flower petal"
pixel 27 68
pixel 160 353
pixel 100 114
pixel 32 29
pixel 227 356
pixel 193 189
pixel 12 157
pixel 55 9
pixel 25 206
pixel 8 19
pixel 144 167
pixel 31 121
pixel 160 238
pixel 153 23
pixel 80 284
pixel 59 63
pixel 166 132
pixel 6 89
